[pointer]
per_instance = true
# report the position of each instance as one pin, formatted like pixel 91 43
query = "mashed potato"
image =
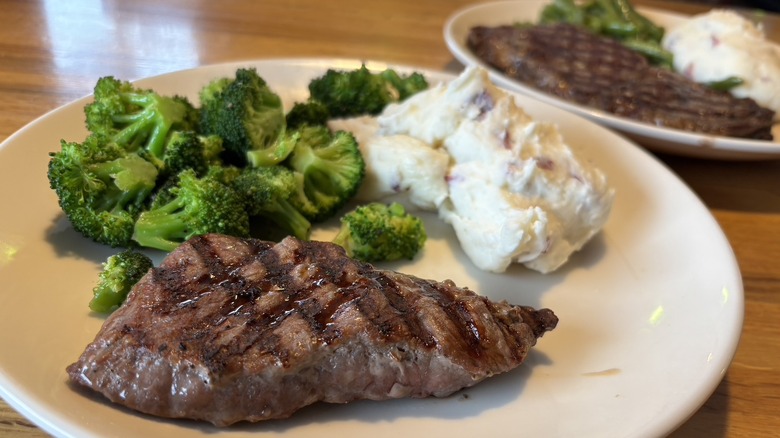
pixel 719 44
pixel 513 191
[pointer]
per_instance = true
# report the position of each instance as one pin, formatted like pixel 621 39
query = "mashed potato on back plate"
pixel 720 44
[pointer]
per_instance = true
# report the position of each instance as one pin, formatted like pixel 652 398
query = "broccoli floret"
pixel 276 152
pixel 101 187
pixel 267 191
pixel 380 232
pixel 197 206
pixel 189 150
pixel 311 112
pixel 225 174
pixel 245 112
pixel 332 169
pixel 120 273
pixel 405 85
pixel 137 118
pixel 347 93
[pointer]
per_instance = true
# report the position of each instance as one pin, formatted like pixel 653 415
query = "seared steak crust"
pixel 229 330
pixel 576 65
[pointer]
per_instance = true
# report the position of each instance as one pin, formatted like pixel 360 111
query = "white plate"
pixel 659 139
pixel 650 312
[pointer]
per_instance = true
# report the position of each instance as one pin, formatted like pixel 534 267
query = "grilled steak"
pixel 579 66
pixel 230 329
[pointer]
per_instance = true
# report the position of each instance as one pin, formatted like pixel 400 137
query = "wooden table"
pixel 53 51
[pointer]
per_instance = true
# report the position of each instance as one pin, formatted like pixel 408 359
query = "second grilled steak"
pixel 576 65
pixel 230 329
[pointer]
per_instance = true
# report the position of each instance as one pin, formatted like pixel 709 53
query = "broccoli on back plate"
pixel 120 273
pixel 380 232
pixel 246 113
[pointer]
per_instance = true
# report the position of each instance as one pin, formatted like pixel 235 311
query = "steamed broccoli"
pixel 136 118
pixel 246 113
pixel 311 112
pixel 101 187
pixel 380 232
pixel 348 93
pixel 331 167
pixel 189 150
pixel 194 206
pixel 276 152
pixel 120 273
pixel 268 191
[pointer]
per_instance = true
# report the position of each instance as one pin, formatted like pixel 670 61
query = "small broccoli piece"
pixel 245 112
pixel 348 93
pixel 137 118
pixel 405 85
pixel 332 169
pixel 267 191
pixel 188 150
pixel 311 112
pixel 101 187
pixel 195 206
pixel 380 232
pixel 276 152
pixel 120 273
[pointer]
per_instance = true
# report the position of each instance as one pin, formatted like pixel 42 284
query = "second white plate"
pixel 659 139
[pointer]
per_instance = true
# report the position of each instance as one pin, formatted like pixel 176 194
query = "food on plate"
pixel 513 190
pixel 229 329
pixel 330 167
pixel 574 64
pixel 247 114
pixel 617 19
pixel 136 118
pixel 142 147
pixel 194 205
pixel 121 271
pixel 381 232
pixel 347 93
pixel 101 187
pixel 722 44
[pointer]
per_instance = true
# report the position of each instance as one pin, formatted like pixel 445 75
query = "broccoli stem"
pixel 160 227
pixel 290 218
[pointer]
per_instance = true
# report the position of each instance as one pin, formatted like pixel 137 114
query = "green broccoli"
pixel 136 118
pixel 267 191
pixel 405 85
pixel 276 152
pixel 348 93
pixel 189 150
pixel 246 113
pixel 617 19
pixel 311 112
pixel 120 273
pixel 380 232
pixel 331 167
pixel 101 187
pixel 195 206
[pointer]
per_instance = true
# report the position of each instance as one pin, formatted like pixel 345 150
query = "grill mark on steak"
pixel 230 329
pixel 579 66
